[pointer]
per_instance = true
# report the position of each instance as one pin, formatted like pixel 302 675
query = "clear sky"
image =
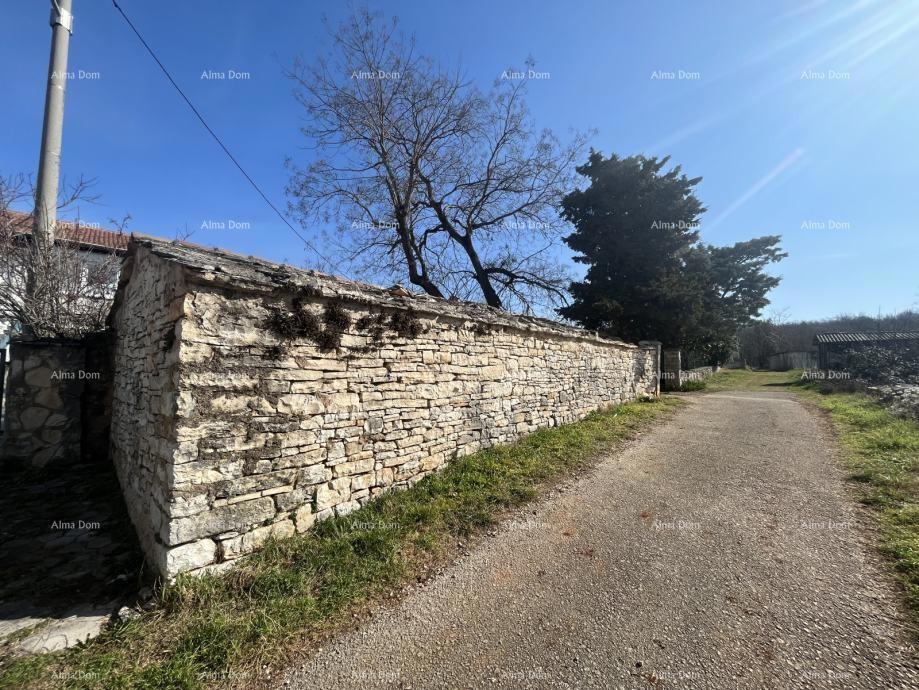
pixel 802 117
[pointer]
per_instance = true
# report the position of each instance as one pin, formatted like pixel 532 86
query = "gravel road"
pixel 720 550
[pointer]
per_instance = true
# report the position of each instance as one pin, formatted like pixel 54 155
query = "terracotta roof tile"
pixel 88 236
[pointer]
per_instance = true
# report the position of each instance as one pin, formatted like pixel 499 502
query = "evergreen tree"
pixel 648 276
pixel 634 227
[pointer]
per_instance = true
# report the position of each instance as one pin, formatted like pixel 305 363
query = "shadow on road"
pixel 67 547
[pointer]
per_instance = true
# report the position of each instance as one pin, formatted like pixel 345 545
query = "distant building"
pixel 93 243
pixel 793 359
pixel 832 348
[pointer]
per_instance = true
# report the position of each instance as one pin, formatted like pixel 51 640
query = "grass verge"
pixel 881 452
pixel 228 629
pixel 882 456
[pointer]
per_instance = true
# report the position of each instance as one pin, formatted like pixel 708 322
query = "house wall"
pixel 226 432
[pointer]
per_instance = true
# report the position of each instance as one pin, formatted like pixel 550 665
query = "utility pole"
pixel 49 162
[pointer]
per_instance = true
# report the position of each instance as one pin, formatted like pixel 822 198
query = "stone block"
pixel 239 516
pixel 180 559
pixel 253 539
pixel 300 404
pixel 304 518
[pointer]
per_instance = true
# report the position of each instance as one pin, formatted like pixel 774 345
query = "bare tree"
pixel 436 180
pixel 76 295
pixel 762 338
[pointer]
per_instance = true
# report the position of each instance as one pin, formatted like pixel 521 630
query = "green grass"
pixel 881 452
pixel 692 385
pixel 228 627
pixel 882 455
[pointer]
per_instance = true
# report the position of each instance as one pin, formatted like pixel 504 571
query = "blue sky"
pixel 796 114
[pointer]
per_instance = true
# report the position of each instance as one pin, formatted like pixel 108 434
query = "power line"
pixel 216 138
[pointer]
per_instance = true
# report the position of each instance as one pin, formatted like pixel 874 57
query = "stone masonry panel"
pixel 228 431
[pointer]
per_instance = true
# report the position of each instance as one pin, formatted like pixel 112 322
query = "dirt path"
pixel 722 550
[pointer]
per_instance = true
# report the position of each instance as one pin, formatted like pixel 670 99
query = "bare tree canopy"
pixel 74 293
pixel 426 176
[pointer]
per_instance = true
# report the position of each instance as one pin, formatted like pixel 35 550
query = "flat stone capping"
pixel 222 268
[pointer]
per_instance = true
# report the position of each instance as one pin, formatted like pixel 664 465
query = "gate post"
pixel 656 346
pixel 670 369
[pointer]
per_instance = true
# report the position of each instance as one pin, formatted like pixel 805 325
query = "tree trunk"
pixel 481 275
pixel 419 278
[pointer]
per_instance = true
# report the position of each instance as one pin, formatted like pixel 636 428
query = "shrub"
pixel 881 364
pixel 692 385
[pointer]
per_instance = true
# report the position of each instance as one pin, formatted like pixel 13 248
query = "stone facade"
pixel 229 427
pixel 42 407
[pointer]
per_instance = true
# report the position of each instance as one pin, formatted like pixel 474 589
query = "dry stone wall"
pixel 252 399
pixel 42 406
pixel 149 302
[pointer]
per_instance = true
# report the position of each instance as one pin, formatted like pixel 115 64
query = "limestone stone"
pixel 330 494
pixel 235 516
pixel 33 417
pixel 66 633
pixel 361 481
pixel 39 377
pixel 49 397
pixel 314 474
pixel 304 518
pixel 253 539
pixel 346 507
pixel 187 556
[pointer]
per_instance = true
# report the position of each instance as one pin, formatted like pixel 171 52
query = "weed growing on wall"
pixel 302 322
pixel 327 329
pixel 402 323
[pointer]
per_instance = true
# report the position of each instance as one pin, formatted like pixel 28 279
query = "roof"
pixel 224 269
pixel 866 336
pixel 83 234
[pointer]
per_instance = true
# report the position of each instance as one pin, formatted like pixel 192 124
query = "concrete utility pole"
pixel 49 163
